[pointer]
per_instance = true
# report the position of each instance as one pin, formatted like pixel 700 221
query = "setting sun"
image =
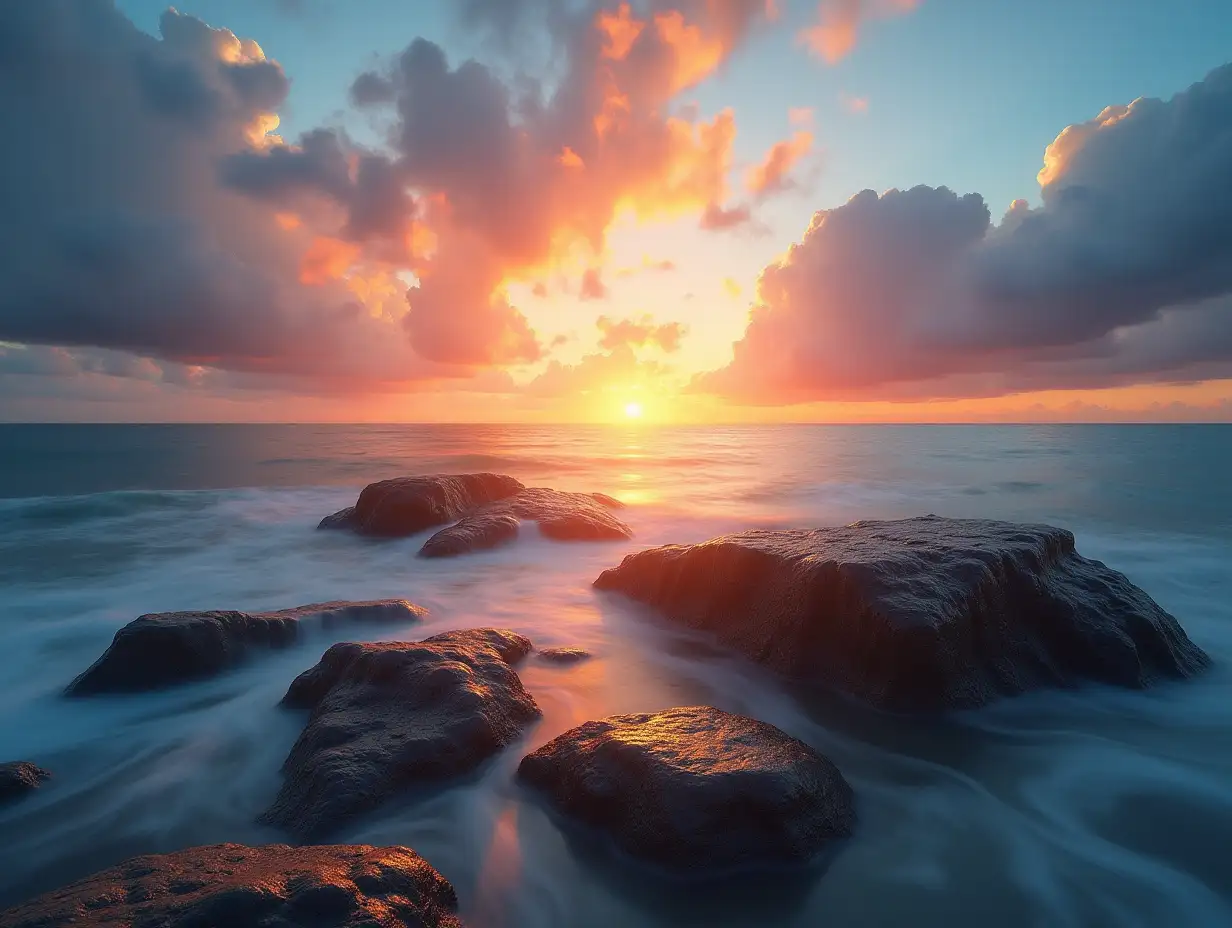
pixel 633 410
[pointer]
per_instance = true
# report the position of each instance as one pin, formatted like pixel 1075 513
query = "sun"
pixel 633 410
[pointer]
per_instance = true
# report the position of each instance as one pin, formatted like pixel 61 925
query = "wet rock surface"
pixel 564 655
pixel 917 614
pixel 165 648
pixel 388 716
pixel 231 885
pixel 695 789
pixel 561 516
pixel 19 778
pixel 407 505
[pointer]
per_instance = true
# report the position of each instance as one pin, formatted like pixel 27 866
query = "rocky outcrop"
pixel 390 715
pixel 918 614
pixel 19 778
pixel 563 655
pixel 407 505
pixel 166 648
pixel 345 886
pixel 561 516
pixel 695 789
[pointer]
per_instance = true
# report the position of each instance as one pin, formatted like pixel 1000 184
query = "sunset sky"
pixel 568 210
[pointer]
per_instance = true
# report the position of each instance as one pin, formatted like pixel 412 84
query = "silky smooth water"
pixel 1080 808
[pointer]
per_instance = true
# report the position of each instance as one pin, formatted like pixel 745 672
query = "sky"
pixel 683 211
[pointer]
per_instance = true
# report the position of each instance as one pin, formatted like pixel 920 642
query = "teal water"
pixel 1084 808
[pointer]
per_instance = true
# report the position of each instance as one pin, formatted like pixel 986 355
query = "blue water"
pixel 1086 808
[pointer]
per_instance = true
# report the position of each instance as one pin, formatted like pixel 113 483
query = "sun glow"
pixel 633 410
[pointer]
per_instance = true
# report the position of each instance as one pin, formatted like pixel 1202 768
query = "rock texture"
pixel 391 715
pixel 696 789
pixel 564 655
pixel 918 614
pixel 407 505
pixel 19 778
pixel 233 886
pixel 561 516
pixel 165 648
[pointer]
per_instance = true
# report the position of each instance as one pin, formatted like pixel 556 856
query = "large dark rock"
pixel 19 778
pixel 696 789
pixel 389 715
pixel 165 648
pixel 925 613
pixel 561 516
pixel 407 505
pixel 233 886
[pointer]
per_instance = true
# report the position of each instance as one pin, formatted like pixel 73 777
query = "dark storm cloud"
pixel 1122 274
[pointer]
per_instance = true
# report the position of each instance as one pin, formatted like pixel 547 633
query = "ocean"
pixel 1092 807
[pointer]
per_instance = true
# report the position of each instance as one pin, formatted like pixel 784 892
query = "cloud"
pixel 773 174
pixel 838 24
pixel 592 287
pixel 121 234
pixel 638 333
pixel 800 115
pixel 1123 274
pixel 717 219
pixel 167 219
pixel 617 369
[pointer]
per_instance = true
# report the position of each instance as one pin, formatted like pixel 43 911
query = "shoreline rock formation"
pixel 166 648
pixel 388 716
pixel 232 885
pixel 19 778
pixel 479 512
pixel 927 613
pixel 695 789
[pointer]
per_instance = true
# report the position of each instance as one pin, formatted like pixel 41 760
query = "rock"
pixel 919 614
pixel 561 516
pixel 476 532
pixel 19 778
pixel 343 886
pixel 387 716
pixel 564 655
pixel 407 505
pixel 165 648
pixel 695 789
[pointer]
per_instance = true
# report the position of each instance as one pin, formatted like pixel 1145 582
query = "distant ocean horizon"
pixel 1080 808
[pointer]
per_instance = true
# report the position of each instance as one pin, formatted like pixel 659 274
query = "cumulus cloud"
pixel 168 220
pixel 838 24
pixel 1122 274
pixel 617 369
pixel 121 234
pixel 593 287
pixel 636 333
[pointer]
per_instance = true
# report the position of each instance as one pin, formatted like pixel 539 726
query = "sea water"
pixel 1091 807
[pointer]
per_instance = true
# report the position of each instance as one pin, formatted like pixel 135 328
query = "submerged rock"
pixel 390 715
pixel 696 789
pixel 407 505
pixel 918 614
pixel 561 516
pixel 343 886
pixel 19 778
pixel 165 648
pixel 564 655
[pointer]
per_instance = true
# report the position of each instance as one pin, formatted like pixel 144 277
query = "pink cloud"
pixel 838 24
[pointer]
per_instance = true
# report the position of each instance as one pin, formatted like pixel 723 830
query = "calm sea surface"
pixel 1084 808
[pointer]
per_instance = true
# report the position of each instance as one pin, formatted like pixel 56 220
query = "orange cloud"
pixel 569 158
pixel 620 30
pixel 287 221
pixel 839 21
pixel 771 176
pixel 639 333
pixel 326 259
